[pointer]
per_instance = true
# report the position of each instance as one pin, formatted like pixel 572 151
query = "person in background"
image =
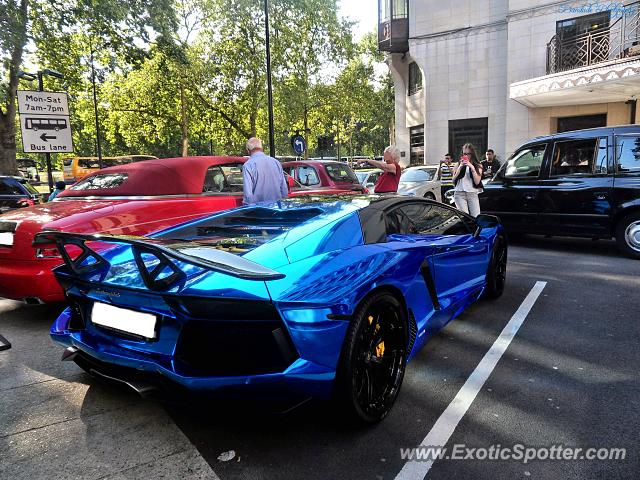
pixel 467 179
pixel 60 186
pixel 262 175
pixel 390 178
pixel 490 165
pixel 447 168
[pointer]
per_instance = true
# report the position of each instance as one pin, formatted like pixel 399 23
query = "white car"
pixel 368 177
pixel 421 181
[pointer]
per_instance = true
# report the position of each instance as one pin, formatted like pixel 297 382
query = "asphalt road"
pixel 569 377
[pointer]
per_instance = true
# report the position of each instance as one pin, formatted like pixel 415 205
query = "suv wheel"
pixel 628 235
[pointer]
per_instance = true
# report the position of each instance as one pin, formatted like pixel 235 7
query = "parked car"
pixel 75 168
pixel 584 183
pixel 317 298
pixel 17 192
pixel 368 177
pixel 421 181
pixel 132 199
pixel 323 173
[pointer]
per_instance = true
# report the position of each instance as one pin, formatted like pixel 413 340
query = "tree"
pixel 13 38
pixel 121 25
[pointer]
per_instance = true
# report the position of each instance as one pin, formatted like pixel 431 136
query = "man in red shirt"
pixel 388 181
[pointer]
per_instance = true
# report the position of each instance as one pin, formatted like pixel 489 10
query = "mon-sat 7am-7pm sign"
pixel 44 122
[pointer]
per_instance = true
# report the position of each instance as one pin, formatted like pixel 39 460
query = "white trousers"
pixel 467 202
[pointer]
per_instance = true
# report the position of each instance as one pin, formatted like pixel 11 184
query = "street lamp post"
pixel 95 108
pixel 39 75
pixel 272 144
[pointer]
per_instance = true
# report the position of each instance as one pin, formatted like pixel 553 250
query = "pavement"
pixel 569 376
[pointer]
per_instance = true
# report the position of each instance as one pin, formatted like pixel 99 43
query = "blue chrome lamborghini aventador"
pixel 325 298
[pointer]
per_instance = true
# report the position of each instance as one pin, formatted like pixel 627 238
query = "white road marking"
pixel 448 421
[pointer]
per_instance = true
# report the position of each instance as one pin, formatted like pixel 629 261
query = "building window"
pixel 568 124
pixel 582 41
pixel 416 144
pixel 470 130
pixel 415 78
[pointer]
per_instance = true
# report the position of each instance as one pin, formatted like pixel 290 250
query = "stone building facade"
pixel 499 72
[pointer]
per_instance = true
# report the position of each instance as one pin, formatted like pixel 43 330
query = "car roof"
pixel 162 176
pixel 585 132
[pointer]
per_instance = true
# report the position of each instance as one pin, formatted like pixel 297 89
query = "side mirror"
pixel 486 221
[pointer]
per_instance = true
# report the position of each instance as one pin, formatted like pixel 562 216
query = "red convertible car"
pixel 133 199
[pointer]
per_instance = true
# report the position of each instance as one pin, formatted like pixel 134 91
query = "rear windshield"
pixel 341 173
pixel 418 175
pixel 245 229
pixel 101 181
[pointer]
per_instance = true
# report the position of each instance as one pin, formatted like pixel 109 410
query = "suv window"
pixel 526 162
pixel 628 153
pixel 8 186
pixel 426 219
pixel 573 157
pixel 308 175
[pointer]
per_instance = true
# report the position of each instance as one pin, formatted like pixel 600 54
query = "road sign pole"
pixel 47 155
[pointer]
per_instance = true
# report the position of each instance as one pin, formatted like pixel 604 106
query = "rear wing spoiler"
pixel 167 253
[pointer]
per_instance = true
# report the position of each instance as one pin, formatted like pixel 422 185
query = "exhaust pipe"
pixel 69 354
pixel 33 301
pixel 141 388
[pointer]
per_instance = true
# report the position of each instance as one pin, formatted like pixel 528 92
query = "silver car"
pixel 422 181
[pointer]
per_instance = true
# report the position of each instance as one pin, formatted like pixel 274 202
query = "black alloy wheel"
pixel 373 360
pixel 497 271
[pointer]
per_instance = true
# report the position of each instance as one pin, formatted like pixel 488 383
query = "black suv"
pixel 584 183
pixel 16 192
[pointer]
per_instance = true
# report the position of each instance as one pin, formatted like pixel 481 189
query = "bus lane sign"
pixel 44 122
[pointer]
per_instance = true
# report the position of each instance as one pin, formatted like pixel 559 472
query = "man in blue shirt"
pixel 262 175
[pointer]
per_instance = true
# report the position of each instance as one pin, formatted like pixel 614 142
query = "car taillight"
pixel 365 190
pixel 51 252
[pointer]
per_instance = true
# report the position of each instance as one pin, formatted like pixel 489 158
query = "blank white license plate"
pixel 6 238
pixel 129 321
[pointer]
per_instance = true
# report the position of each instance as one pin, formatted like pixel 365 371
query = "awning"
pixel 615 81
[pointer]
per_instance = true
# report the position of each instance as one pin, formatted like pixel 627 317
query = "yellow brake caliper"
pixel 380 346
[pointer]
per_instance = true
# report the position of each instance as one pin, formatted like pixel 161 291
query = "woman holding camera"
pixel 467 179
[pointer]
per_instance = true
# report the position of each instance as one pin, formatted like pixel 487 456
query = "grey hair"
pixel 394 151
pixel 254 143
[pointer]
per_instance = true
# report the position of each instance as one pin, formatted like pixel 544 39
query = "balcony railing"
pixel 619 40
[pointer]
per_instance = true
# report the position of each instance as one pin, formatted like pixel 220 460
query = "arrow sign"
pixel 298 143
pixel 46 137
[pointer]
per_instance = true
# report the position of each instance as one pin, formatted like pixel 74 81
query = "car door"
pixel 455 260
pixel 512 195
pixel 575 197
pixel 626 168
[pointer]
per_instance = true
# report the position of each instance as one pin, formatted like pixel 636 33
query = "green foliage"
pixel 176 76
